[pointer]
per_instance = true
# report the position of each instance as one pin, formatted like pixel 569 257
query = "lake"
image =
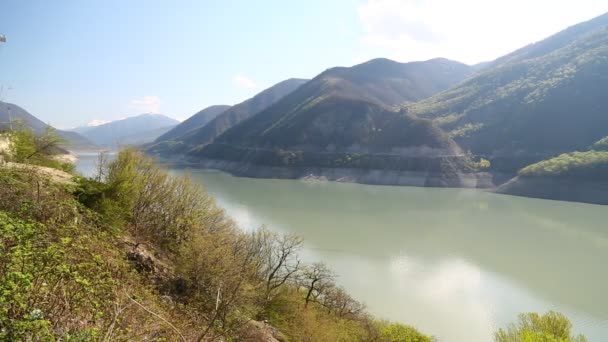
pixel 455 263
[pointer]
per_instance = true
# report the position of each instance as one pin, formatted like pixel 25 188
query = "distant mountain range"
pixel 191 134
pixel 438 122
pixel 347 108
pixel 20 116
pixel 134 130
pixel 349 118
pixel 529 121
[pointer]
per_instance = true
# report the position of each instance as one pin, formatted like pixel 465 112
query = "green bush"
pixel 48 277
pixel 532 327
pixel 395 332
pixel 30 148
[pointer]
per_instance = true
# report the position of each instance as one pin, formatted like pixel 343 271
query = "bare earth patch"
pixel 55 175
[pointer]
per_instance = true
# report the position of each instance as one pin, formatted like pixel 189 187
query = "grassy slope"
pixel 143 256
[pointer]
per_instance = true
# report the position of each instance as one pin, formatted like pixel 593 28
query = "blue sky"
pixel 70 62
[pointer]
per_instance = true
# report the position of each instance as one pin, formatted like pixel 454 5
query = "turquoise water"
pixel 455 263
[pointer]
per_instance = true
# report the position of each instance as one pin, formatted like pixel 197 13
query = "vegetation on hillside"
pixel 135 253
pixel 26 146
pixel 590 165
pixel 546 98
pixel 337 132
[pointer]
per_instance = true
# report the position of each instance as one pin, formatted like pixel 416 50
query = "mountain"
pixel 337 124
pixel 87 127
pixel 139 129
pixel 390 83
pixel 144 137
pixel 542 100
pixel 227 119
pixel 348 118
pixel 196 121
pixel 20 116
pixel 330 101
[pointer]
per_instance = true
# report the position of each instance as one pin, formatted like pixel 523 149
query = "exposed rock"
pixel 349 175
pixel 55 175
pixel 145 261
pixel 256 331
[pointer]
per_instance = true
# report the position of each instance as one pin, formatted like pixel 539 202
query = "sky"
pixel 73 62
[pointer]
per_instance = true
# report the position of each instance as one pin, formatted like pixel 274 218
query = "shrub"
pixel 29 148
pixel 395 332
pixel 532 327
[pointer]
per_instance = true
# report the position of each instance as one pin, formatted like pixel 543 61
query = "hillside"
pixel 331 100
pixel 181 143
pixel 390 83
pixel 196 121
pixel 139 129
pixel 20 116
pixel 542 100
pixel 336 124
pixel 138 254
pixel 577 176
pixel 359 142
pixel 346 118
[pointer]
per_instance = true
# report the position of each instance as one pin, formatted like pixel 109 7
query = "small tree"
pixel 101 166
pixel 27 146
pixel 341 304
pixel 279 263
pixel 316 279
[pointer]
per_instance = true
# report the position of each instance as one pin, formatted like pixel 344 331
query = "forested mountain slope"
pixel 347 118
pixel 541 100
pixel 196 121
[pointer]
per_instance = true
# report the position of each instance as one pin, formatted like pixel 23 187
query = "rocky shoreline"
pixel 481 180
pixel 571 190
pixel 559 189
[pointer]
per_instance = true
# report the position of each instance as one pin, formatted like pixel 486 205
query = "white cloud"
pixel 470 31
pixel 147 104
pixel 244 82
pixel 96 122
